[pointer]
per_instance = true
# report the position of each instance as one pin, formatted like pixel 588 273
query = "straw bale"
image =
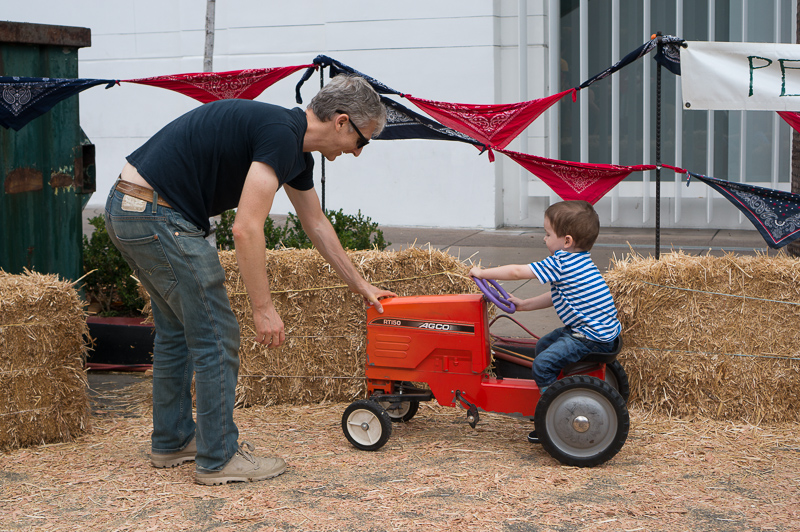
pixel 324 354
pixel 711 336
pixel 43 386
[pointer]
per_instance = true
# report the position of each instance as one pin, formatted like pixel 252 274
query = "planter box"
pixel 120 343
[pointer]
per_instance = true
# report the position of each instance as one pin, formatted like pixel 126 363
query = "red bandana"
pixel 211 86
pixel 494 125
pixel 793 119
pixel 578 181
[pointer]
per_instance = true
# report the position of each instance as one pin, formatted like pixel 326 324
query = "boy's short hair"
pixel 352 95
pixel 577 219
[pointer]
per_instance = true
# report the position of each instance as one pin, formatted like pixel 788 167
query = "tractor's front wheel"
pixel 402 411
pixel 366 425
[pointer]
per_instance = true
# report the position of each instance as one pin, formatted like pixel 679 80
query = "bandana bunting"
pixel 23 99
pixel 493 125
pixel 336 68
pixel 578 181
pixel 403 123
pixel 774 213
pixel 793 119
pixel 668 57
pixel 211 86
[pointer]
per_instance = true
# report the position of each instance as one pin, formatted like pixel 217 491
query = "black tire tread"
pixel 622 379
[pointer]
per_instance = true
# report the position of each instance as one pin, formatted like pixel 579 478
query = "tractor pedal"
pixel 472 416
pixel 472 411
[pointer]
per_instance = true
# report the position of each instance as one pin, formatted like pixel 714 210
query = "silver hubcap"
pixel 581 422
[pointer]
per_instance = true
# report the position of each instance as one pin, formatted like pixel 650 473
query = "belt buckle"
pixel 578 335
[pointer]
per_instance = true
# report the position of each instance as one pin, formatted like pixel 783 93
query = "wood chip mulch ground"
pixel 435 473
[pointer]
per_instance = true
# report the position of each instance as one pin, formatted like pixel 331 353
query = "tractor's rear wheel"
pixel 582 421
pixel 618 379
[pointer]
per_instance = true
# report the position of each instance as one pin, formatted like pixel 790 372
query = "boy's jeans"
pixel 196 331
pixel 560 348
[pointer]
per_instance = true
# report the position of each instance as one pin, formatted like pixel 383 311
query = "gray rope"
pixel 709 353
pixel 302 377
pixel 722 294
pixel 26 411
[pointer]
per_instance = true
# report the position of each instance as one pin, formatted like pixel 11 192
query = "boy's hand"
pixel 535 303
pixel 475 273
pixel 518 303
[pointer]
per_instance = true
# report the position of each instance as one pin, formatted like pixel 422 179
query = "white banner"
pixel 740 76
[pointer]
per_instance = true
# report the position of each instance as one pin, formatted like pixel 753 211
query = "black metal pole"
pixel 658 154
pixel 322 158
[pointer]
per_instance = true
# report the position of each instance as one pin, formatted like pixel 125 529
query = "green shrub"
pixel 223 232
pixel 354 232
pixel 112 284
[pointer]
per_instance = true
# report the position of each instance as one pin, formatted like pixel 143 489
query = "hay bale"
pixel 324 354
pixel 43 386
pixel 711 336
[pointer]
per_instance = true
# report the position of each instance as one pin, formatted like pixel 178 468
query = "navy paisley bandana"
pixel 336 68
pixel 403 123
pixel 776 214
pixel 23 99
pixel 669 57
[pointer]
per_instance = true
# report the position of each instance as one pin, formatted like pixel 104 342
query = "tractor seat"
pixel 605 358
pixel 592 359
pixel 524 354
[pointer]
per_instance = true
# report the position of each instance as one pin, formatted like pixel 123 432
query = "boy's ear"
pixel 569 241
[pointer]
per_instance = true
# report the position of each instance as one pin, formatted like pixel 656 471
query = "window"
pixel 616 122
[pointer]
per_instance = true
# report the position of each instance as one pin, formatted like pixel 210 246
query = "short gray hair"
pixel 352 95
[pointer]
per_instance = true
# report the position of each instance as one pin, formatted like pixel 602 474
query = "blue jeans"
pixel 557 350
pixel 196 331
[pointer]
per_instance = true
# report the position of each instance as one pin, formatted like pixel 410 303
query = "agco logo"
pixel 435 326
pixel 458 328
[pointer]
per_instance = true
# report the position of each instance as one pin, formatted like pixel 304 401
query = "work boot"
pixel 175 459
pixel 243 467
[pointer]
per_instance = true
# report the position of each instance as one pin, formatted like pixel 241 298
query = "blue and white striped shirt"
pixel 580 294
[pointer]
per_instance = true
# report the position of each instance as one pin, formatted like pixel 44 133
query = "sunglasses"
pixel 362 140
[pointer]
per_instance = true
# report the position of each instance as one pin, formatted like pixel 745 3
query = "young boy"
pixel 577 291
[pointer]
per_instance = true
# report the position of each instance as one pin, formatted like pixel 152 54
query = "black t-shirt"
pixel 199 161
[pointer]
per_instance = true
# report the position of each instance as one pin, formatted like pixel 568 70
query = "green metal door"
pixel 47 167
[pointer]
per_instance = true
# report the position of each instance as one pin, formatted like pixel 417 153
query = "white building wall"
pixel 515 207
pixel 464 51
pixel 450 50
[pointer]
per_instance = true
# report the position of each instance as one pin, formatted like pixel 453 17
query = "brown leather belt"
pixel 138 191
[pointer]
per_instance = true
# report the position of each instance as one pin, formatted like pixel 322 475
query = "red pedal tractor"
pixel 444 341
